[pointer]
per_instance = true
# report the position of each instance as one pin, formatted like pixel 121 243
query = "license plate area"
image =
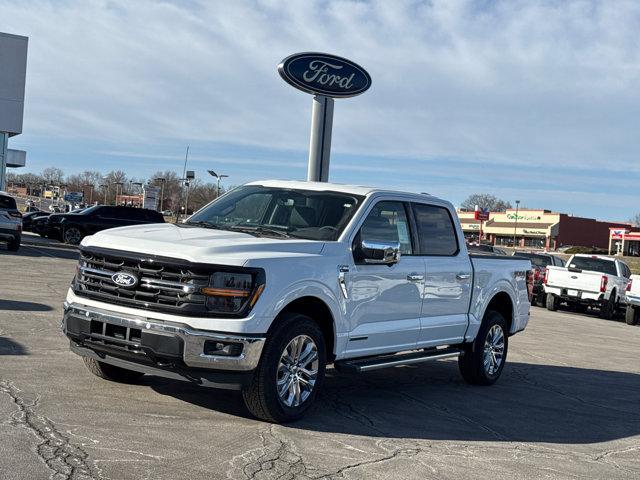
pixel 574 293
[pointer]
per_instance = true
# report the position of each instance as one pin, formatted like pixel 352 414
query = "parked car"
pixel 73 227
pixel 588 281
pixel 29 218
pixel 167 213
pixel 40 224
pixel 540 261
pixel 10 222
pixel 265 286
pixel 485 249
pixel 632 297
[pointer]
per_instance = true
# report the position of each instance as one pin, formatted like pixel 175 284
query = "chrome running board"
pixel 359 365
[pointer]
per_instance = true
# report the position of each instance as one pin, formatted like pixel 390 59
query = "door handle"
pixel 463 276
pixel 415 277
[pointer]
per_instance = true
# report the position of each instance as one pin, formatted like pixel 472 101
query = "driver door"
pixel 385 300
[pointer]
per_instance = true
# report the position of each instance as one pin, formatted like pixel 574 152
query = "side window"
pixel 387 222
pixel 435 230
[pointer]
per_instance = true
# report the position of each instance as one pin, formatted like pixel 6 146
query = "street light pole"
pixel 515 226
pixel 162 180
pixel 105 189
pixel 219 177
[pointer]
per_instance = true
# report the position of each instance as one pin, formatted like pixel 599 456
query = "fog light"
pixel 227 349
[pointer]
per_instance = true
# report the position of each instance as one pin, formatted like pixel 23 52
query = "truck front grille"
pixel 162 284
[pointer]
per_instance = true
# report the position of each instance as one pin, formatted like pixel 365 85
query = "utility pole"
pixel 515 226
pixel 162 180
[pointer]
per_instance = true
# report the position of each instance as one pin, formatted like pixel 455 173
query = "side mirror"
pixel 380 253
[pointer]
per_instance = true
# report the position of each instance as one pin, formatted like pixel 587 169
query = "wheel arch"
pixel 319 311
pixel 502 303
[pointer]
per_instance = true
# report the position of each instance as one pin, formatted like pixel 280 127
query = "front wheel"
pixel 111 372
pixel 482 361
pixel 631 316
pixel 291 371
pixel 72 235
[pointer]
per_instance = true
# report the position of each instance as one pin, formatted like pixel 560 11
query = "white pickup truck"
pixel 588 280
pixel 264 287
pixel 632 297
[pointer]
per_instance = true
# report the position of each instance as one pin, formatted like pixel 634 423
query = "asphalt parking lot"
pixel 567 405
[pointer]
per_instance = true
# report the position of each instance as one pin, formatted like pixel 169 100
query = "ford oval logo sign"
pixel 324 74
pixel 124 279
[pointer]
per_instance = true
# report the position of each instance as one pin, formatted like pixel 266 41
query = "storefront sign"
pixel 324 74
pixel 531 218
pixel 534 232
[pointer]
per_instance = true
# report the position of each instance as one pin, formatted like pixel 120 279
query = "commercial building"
pixel 540 229
pixel 624 241
pixel 13 70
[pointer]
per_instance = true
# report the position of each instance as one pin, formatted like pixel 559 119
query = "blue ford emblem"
pixel 324 74
pixel 124 279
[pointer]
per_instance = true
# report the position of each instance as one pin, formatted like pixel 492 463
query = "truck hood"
pixel 197 244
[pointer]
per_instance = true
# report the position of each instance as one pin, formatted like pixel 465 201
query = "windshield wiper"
pixel 200 223
pixel 260 230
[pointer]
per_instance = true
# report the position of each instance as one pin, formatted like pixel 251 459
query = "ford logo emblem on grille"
pixel 124 279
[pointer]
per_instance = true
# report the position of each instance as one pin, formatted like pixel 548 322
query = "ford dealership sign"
pixel 324 74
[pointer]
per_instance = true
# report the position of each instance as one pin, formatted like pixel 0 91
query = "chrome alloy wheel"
pixel 297 371
pixel 493 350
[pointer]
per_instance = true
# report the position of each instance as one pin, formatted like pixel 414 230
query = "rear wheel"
pixel 631 316
pixel 72 235
pixel 539 300
pixel 14 244
pixel 608 311
pixel 482 361
pixel 291 371
pixel 552 302
pixel 111 372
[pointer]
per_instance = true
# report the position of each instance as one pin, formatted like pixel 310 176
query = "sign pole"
pixel 320 142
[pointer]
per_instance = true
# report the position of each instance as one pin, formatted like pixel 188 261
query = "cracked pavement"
pixel 567 406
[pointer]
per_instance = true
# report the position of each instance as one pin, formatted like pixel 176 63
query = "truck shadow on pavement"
pixel 530 403
pixel 50 252
pixel 20 306
pixel 10 347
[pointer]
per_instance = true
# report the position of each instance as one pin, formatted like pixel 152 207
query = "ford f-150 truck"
pixel 588 280
pixel 632 297
pixel 264 287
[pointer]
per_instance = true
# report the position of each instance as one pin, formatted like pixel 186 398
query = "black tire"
pixel 471 361
pixel 552 302
pixel 72 235
pixel 631 315
pixel 540 300
pixel 608 311
pixel 111 372
pixel 261 395
pixel 14 244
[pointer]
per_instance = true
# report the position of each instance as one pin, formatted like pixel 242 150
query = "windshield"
pixel 594 265
pixel 280 212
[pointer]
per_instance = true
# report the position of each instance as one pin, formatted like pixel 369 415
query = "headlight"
pixel 231 292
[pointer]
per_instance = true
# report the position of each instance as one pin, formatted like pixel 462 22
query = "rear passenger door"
pixel 449 276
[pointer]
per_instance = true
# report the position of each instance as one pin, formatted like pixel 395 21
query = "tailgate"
pixel 582 281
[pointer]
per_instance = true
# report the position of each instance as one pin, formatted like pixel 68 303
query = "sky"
pixel 536 101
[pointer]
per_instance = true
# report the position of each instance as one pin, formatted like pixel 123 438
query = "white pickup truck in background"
pixel 264 287
pixel 632 297
pixel 588 281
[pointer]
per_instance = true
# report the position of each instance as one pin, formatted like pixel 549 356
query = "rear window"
pixel 594 265
pixel 7 203
pixel 541 261
pixel 435 230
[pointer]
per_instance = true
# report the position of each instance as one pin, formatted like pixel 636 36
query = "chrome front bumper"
pixel 193 341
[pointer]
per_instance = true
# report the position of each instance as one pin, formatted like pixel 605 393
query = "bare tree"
pixel 52 176
pixel 635 220
pixel 485 201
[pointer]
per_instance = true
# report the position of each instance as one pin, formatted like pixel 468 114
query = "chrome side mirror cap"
pixel 380 253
